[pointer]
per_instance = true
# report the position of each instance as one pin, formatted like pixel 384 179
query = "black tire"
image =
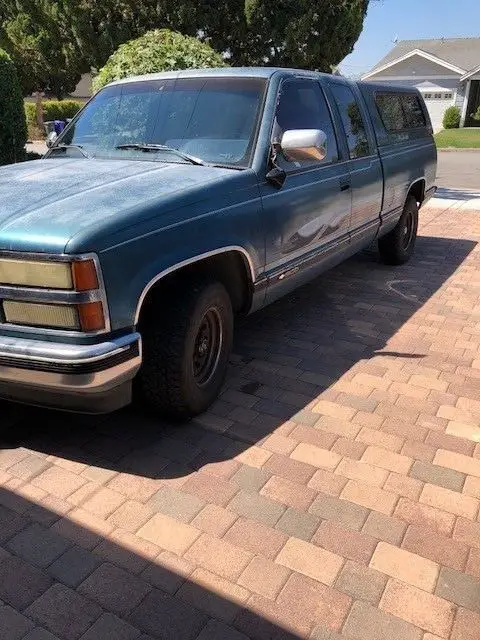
pixel 181 375
pixel 398 245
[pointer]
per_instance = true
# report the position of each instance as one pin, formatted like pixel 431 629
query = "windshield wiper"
pixel 161 147
pixel 72 146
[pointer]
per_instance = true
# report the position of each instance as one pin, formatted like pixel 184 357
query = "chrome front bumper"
pixel 94 378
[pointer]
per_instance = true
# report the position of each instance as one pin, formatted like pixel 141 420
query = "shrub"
pixel 13 128
pixel 476 115
pixel 157 50
pixel 30 112
pixel 451 119
pixel 52 110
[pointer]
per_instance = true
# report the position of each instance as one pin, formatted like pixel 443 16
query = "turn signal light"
pixel 84 275
pixel 91 316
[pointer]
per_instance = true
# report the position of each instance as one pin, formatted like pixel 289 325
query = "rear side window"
pixel 400 111
pixel 353 121
pixel 413 111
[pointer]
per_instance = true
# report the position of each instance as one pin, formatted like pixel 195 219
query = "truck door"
pixel 308 218
pixel 363 162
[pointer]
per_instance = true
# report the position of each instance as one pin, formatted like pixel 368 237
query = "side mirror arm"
pixel 276 175
pixel 51 139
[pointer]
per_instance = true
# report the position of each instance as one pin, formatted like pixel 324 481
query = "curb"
pixel 472 204
pixel 457 149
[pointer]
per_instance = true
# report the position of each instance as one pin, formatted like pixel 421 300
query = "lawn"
pixel 468 138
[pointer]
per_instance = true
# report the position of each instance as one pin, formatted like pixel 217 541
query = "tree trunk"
pixel 39 109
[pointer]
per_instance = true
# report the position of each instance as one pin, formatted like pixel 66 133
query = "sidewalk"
pixel 37 146
pixel 455 199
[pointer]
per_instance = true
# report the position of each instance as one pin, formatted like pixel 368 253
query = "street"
pixel 459 170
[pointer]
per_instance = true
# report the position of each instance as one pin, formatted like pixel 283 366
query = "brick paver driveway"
pixel 332 493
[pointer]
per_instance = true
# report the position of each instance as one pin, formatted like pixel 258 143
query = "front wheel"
pixel 397 246
pixel 186 351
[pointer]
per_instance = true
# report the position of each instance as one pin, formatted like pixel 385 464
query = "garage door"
pixel 436 108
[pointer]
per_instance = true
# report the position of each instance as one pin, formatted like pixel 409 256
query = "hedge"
pixel 13 128
pixel 53 110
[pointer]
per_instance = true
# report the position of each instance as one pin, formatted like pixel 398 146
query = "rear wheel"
pixel 398 246
pixel 186 351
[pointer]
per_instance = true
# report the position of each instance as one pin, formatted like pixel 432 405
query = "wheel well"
pixel 417 190
pixel 229 268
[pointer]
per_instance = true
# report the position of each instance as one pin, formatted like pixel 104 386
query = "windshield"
pixel 212 119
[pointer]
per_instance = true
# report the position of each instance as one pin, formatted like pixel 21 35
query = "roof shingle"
pixel 461 52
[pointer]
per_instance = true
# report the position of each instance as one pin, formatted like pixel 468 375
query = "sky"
pixel 409 20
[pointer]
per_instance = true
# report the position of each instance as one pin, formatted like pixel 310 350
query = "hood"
pixel 45 203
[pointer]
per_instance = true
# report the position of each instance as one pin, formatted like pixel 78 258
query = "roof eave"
pixel 470 73
pixel 410 54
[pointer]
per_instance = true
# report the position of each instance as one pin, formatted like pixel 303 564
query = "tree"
pixel 36 35
pixel 13 126
pixel 53 41
pixel 157 50
pixel 306 34
pixel 313 34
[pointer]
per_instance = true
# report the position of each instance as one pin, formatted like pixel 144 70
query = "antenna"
pixel 395 40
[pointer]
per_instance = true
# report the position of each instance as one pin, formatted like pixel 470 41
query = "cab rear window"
pixel 400 111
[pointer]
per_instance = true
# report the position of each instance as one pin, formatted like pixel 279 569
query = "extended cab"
pixel 173 202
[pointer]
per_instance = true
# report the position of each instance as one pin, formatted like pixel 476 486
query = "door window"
pixel 353 121
pixel 302 105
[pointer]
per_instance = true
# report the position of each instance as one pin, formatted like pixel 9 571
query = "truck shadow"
pixel 285 357
pixel 60 575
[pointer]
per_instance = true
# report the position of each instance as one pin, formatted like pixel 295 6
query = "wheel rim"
pixel 208 347
pixel 408 231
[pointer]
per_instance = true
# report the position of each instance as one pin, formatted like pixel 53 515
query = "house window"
pixel 437 96
pixel 448 96
pixel 428 96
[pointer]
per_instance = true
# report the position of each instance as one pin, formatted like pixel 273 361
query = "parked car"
pixel 173 202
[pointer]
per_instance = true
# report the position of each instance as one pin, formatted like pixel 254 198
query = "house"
pixel 82 92
pixel 446 71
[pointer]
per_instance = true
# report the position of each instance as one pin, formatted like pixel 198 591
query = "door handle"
pixel 345 186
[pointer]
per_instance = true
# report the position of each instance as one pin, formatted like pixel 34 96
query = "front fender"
pixel 131 268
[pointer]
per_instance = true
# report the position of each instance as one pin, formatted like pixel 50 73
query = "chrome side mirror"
pixel 51 139
pixel 304 144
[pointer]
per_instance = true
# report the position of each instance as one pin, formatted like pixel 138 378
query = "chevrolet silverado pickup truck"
pixel 173 202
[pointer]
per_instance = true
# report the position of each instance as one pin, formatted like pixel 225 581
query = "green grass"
pixel 459 138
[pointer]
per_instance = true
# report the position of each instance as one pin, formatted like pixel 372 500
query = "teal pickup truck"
pixel 173 202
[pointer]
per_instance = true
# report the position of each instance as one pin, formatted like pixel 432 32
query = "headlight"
pixel 41 315
pixel 80 275
pixel 32 273
pixel 81 317
pixel 54 294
